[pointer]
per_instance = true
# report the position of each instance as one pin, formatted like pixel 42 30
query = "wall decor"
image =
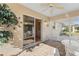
pixel 54 25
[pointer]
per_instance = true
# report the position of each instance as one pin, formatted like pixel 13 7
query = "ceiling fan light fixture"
pixel 55 5
pixel 50 5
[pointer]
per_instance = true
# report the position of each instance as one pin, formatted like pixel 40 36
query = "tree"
pixel 7 17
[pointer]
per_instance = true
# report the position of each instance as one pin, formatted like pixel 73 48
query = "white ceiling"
pixel 39 7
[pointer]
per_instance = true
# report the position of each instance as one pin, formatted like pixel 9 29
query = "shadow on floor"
pixel 57 44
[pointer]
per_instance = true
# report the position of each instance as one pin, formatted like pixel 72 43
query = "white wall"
pixel 49 32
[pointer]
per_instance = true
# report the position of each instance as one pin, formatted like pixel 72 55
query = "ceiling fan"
pixel 49 7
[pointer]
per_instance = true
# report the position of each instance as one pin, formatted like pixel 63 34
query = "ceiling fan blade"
pixel 51 4
pixel 45 9
pixel 43 5
pixel 58 6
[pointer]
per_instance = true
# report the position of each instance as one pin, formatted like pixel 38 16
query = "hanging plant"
pixel 7 17
pixel 5 35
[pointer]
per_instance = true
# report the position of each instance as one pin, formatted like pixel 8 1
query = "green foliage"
pixel 66 29
pixel 77 28
pixel 7 16
pixel 4 35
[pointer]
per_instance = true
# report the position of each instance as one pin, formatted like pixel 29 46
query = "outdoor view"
pixel 71 27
